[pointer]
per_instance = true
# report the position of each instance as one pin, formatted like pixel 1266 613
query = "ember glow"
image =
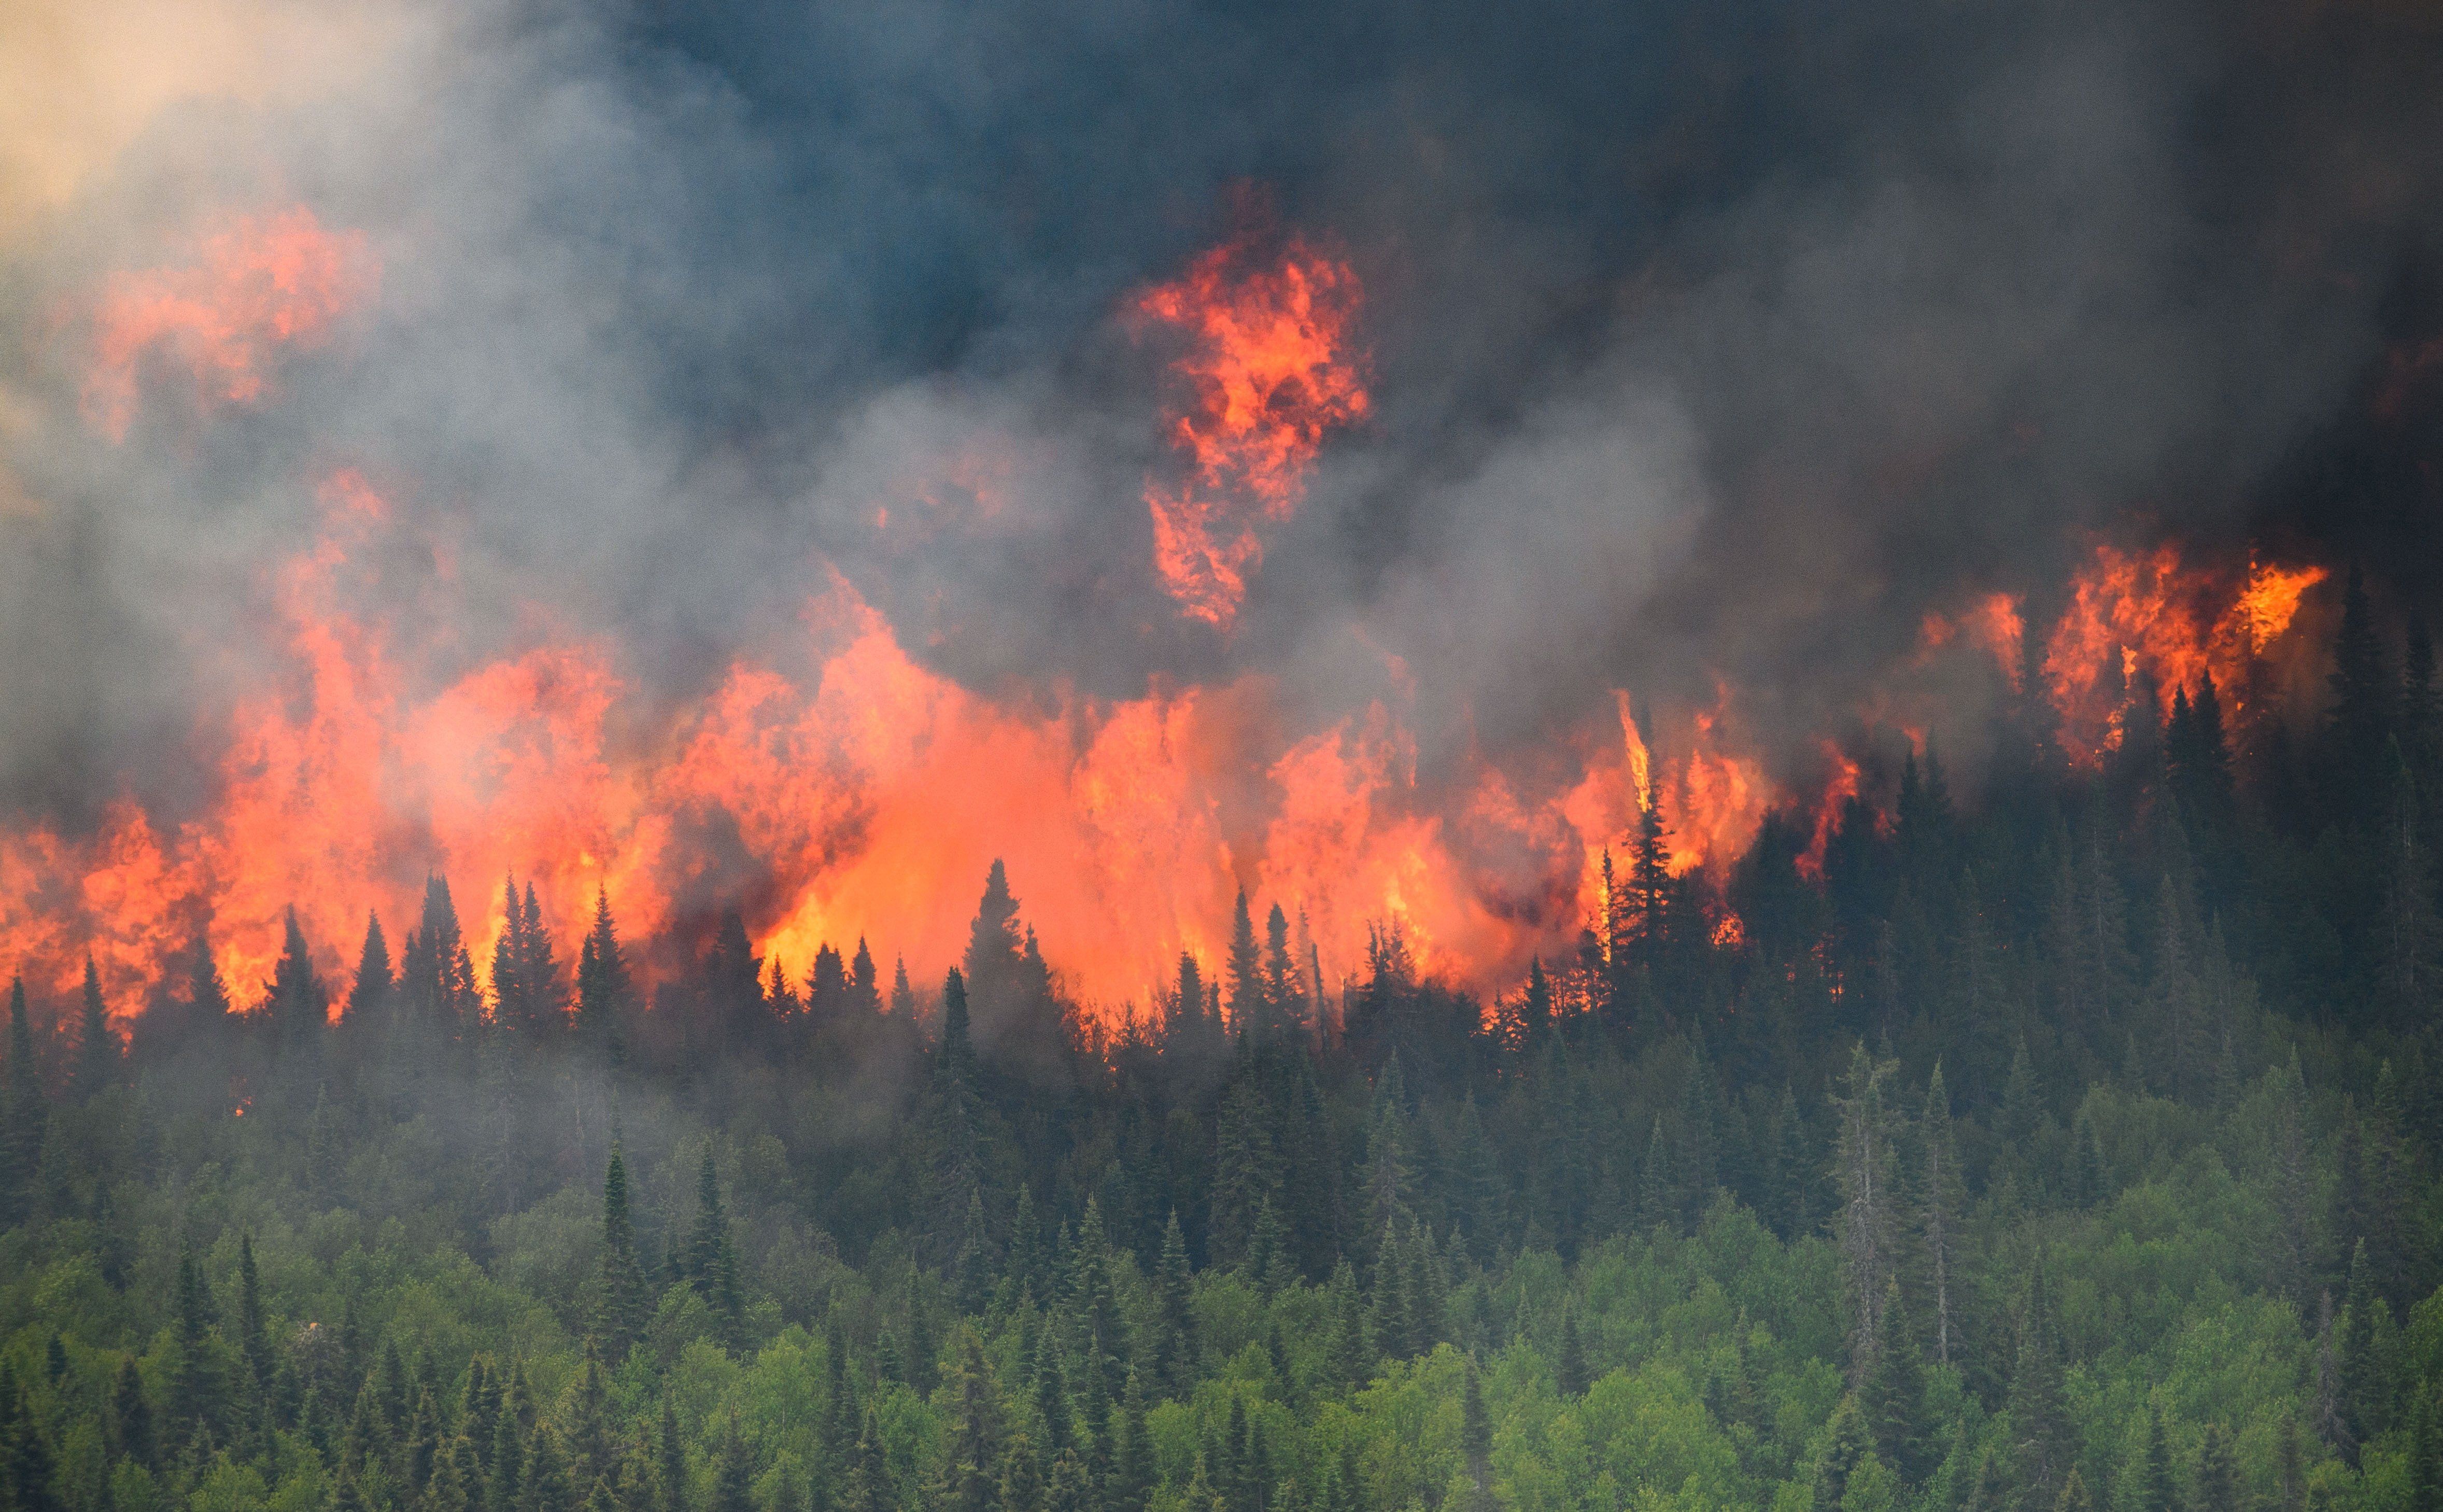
pixel 1269 370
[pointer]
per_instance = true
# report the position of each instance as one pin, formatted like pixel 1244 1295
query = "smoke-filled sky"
pixel 1703 348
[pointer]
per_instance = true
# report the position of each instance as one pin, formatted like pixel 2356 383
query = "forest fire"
pixel 2148 618
pixel 865 799
pixel 838 789
pixel 1271 369
pixel 260 283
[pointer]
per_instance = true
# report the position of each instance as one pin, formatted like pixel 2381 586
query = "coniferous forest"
pixel 2070 1148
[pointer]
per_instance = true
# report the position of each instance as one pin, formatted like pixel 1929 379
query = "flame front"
pixel 834 787
pixel 2148 613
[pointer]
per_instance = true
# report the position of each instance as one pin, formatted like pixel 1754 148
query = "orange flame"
pixel 1270 363
pixel 1714 799
pixel 259 285
pixel 1993 623
pixel 2270 600
pixel 866 802
pixel 2148 612
pixel 1840 785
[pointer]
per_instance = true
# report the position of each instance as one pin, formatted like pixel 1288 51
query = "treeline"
pixel 2072 1150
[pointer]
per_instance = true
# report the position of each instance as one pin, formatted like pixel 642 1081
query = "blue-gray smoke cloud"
pixel 1721 341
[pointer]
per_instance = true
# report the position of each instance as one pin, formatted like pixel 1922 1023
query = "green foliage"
pixel 1890 1219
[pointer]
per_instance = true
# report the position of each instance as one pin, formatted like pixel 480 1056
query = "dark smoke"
pixel 1713 342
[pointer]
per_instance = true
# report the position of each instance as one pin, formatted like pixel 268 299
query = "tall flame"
pixel 1270 364
pixel 2149 611
pixel 259 284
pixel 865 801
pixel 832 786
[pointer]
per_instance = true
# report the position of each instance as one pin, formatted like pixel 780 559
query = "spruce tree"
pixel 1569 1373
pixel 97 1047
pixel 1893 1395
pixel 368 1006
pixel 1243 967
pixel 299 1005
pixel 2425 1469
pixel 602 985
pixel 544 1486
pixel 995 958
pixel 1247 1175
pixel 1475 1432
pixel 1284 996
pixel 1174 1340
pixel 1650 890
pixel 27 1482
pixel 1942 1202
pixel 671 1458
pixel 22 1115
pixel 436 975
pixel 1022 1476
pixel 2038 1418
pixel 623 1305
pixel 1867 1227
pixel 712 1255
pixel 253 1332
pixel 2151 1488
pixel 972 1451
pixel 2217 1480
pixel 2361 710
pixel 131 1415
pixel 207 1008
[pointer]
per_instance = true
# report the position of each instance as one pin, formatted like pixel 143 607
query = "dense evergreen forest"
pixel 2073 1149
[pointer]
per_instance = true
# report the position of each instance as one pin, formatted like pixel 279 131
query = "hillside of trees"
pixel 2074 1149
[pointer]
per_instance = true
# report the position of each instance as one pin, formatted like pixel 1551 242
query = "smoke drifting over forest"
pixel 1697 358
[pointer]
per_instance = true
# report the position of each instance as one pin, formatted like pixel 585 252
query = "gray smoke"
pixel 1715 344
